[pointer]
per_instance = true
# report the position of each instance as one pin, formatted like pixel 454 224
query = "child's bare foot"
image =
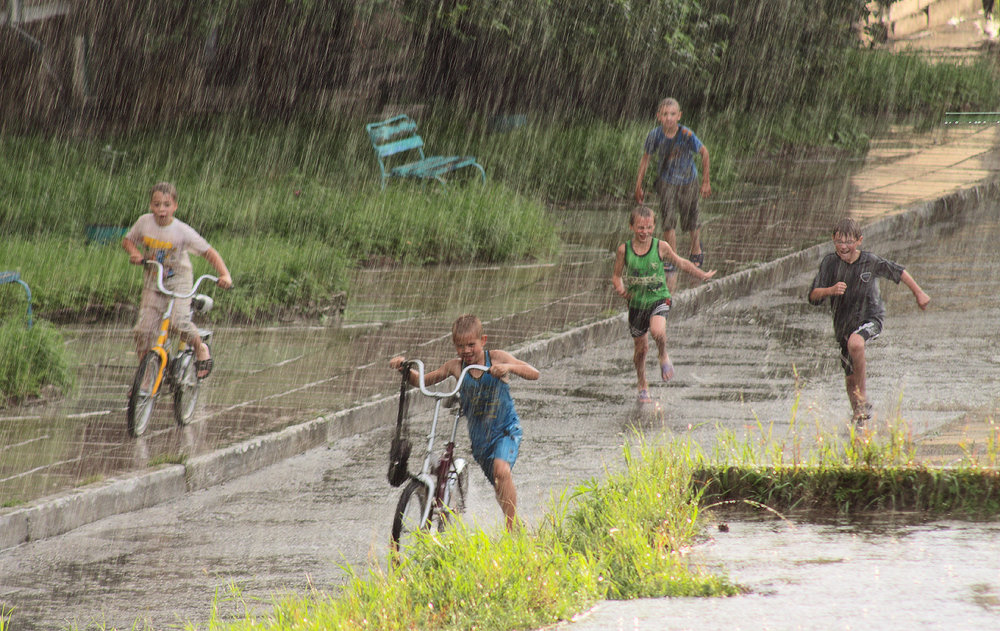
pixel 667 370
pixel 644 396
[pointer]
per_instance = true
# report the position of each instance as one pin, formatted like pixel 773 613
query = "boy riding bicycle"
pixel 494 427
pixel 168 241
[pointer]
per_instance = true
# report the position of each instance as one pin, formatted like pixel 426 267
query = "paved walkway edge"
pixel 61 513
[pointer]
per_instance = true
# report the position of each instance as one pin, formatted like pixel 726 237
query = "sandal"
pixel 667 371
pixel 203 365
pixel 644 396
pixel 697 259
pixel 862 415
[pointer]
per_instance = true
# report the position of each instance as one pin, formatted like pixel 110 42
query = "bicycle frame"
pixel 437 484
pixel 161 341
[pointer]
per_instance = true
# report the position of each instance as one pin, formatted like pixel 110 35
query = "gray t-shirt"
pixel 862 301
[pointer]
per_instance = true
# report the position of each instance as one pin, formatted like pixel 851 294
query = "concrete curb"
pixel 57 515
pixel 62 513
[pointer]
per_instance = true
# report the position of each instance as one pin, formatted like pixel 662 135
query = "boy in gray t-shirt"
pixel 849 277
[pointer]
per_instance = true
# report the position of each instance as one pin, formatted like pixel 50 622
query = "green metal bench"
pixel 15 277
pixel 397 137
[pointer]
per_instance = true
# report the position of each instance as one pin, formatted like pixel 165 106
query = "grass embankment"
pixel 626 536
pixel 872 470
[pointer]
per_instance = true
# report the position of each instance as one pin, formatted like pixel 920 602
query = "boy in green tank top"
pixel 638 277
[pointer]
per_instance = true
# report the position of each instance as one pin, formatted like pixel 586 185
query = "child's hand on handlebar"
pixel 500 371
pixel 225 281
pixel 396 363
pixel 136 259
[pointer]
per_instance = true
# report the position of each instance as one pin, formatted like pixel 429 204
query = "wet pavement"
pixel 833 576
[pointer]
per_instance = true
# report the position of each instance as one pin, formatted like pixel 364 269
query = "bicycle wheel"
pixel 409 512
pixel 141 398
pixel 186 386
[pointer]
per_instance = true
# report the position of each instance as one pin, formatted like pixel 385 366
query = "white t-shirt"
pixel 169 245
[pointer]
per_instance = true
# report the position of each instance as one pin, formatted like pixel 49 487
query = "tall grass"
pixel 304 261
pixel 30 359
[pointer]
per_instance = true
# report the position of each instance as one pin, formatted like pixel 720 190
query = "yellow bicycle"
pixel 162 366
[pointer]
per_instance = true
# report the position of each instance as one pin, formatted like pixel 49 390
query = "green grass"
pixel 30 359
pixel 286 261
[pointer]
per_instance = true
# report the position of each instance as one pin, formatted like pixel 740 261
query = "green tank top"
pixel 644 278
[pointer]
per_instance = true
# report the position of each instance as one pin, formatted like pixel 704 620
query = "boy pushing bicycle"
pixel 494 427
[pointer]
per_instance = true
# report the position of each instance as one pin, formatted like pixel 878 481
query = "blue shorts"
pixel 505 448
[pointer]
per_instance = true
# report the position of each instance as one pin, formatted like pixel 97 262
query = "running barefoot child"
pixel 494 428
pixel 849 277
pixel 676 179
pixel 638 277
pixel 158 236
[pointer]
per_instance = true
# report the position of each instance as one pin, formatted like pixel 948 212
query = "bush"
pixel 30 359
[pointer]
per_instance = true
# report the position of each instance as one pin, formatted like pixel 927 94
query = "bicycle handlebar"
pixel 159 280
pixel 411 363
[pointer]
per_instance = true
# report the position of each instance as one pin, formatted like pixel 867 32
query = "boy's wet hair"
pixel 669 101
pixel 166 188
pixel 639 211
pixel 847 227
pixel 465 325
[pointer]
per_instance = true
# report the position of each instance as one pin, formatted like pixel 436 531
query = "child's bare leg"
pixel 201 350
pixel 695 241
pixel 670 236
pixel 639 359
pixel 658 331
pixel 857 389
pixel 503 482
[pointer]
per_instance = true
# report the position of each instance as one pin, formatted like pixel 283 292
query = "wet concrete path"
pixel 292 526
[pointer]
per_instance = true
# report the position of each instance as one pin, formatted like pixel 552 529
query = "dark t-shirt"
pixel 862 301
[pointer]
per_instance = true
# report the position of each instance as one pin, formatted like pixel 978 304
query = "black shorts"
pixel 869 331
pixel 638 319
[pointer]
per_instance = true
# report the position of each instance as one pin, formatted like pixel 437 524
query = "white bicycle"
pixel 438 491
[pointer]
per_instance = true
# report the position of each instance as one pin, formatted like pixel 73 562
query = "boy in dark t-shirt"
pixel 849 277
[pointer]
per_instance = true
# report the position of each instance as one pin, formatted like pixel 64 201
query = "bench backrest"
pixel 395 135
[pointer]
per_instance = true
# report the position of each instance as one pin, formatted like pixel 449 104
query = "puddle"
pixel 828 576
